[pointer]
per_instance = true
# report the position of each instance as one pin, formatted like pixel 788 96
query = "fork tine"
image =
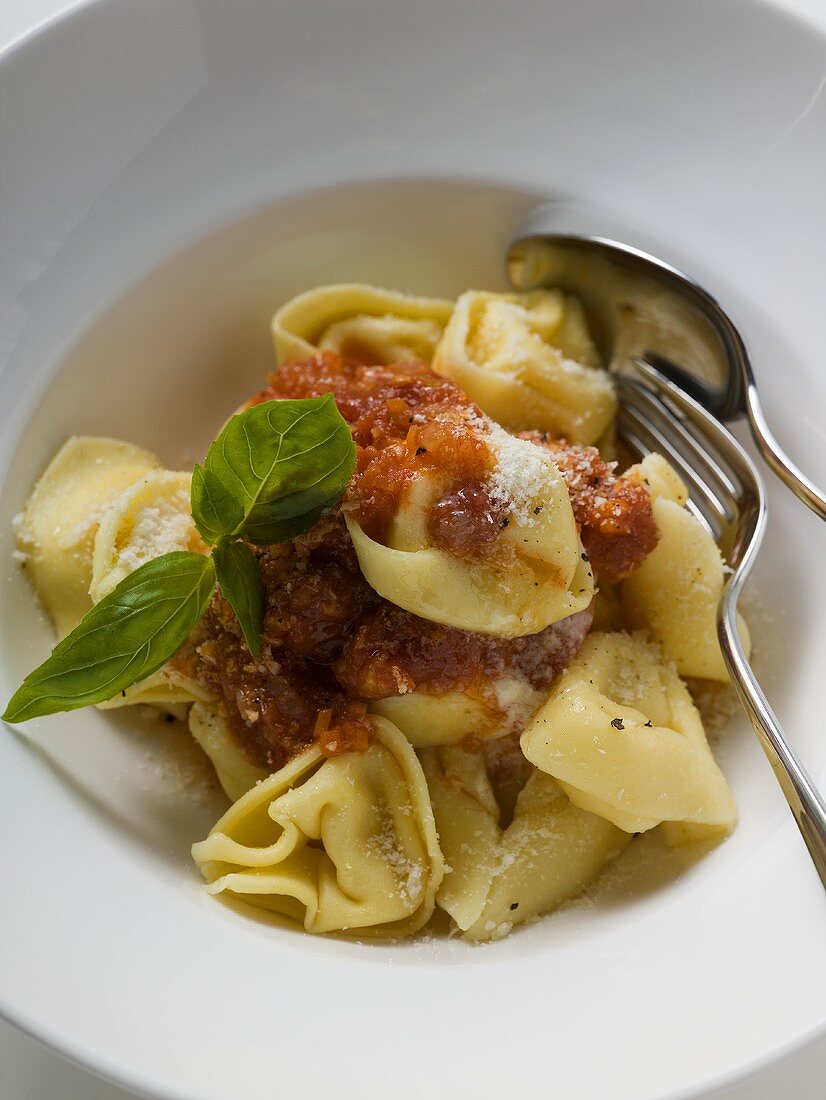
pixel 696 459
pixel 641 435
pixel 690 449
pixel 750 494
pixel 639 429
pixel 696 432
pixel 735 466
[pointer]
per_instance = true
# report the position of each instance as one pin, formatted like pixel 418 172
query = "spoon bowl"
pixel 642 308
pixel 682 369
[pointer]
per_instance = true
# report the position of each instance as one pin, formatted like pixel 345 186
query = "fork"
pixel 727 496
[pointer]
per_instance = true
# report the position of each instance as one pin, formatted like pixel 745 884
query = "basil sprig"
pixel 274 470
pixel 240 581
pixel 124 638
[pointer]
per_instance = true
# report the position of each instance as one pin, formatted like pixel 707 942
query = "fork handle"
pixel 804 800
pixel 777 460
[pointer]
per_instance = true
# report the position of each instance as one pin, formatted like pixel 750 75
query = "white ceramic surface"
pixel 171 171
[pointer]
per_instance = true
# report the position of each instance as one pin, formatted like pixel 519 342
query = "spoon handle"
pixel 804 800
pixel 778 460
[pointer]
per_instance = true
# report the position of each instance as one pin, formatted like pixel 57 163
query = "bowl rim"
pixel 95 1061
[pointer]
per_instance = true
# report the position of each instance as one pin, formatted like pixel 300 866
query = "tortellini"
pixel 528 361
pixel 56 530
pixel 360 322
pixel 549 579
pixel 102 508
pixel 235 771
pixel 149 518
pixel 676 590
pixel 559 778
pixel 660 478
pixel 346 844
pixel 432 719
pixel 504 703
pixel 167 688
pixel 621 734
pixel 502 877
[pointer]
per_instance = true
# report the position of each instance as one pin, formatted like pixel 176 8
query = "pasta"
pixel 503 877
pixel 167 688
pixel 452 680
pixel 360 322
pixel 548 579
pixel 56 530
pixel 676 590
pixel 623 738
pixel 529 362
pixel 347 844
pixel 149 518
pixel 427 720
pixel 492 687
pixel 235 771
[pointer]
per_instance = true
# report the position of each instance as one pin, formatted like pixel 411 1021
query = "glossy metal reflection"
pixel 642 308
pixel 733 506
pixel 682 368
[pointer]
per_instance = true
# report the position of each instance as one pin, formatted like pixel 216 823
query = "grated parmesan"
pixel 522 475
pixel 409 874
pixel 159 529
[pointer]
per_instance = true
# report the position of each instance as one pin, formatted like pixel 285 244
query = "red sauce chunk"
pixel 393 652
pixel 406 421
pixel 315 594
pixel 613 512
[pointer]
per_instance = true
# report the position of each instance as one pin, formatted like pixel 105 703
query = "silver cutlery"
pixel 682 369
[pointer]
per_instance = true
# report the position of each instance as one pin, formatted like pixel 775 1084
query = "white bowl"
pixel 171 172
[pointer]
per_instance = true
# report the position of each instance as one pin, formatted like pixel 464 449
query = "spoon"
pixel 683 368
pixel 641 308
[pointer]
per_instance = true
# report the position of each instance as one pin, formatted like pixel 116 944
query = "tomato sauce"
pixel 406 422
pixel 330 643
pixel 614 514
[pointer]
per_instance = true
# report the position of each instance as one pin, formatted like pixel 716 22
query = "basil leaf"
pixel 267 527
pixel 286 462
pixel 127 636
pixel 240 581
pixel 216 512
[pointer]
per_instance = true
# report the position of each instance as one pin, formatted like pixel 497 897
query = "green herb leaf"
pixel 240 581
pixel 285 462
pixel 216 512
pixel 127 636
